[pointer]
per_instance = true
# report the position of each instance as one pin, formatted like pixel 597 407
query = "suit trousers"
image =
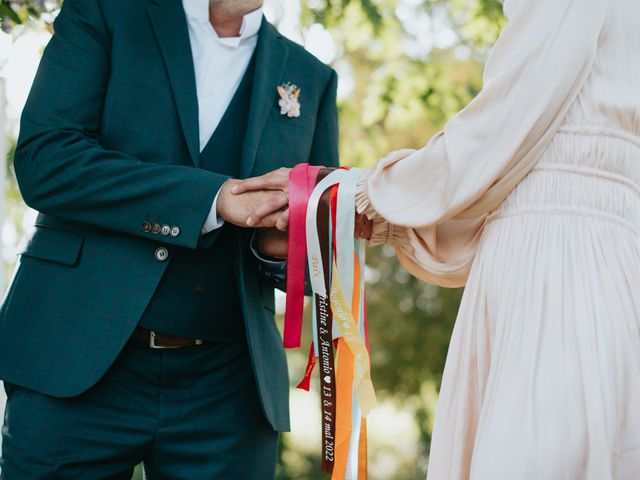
pixel 191 413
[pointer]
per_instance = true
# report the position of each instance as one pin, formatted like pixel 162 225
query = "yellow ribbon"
pixel 351 334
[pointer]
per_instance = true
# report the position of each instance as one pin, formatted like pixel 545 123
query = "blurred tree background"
pixel 405 67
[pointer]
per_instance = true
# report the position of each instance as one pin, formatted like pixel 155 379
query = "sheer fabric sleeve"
pixel 431 204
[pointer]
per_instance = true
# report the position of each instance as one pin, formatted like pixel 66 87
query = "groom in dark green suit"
pixel 139 326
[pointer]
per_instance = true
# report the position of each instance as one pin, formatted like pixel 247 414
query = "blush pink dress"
pixel 531 198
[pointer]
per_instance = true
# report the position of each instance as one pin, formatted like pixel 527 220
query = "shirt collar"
pixel 251 24
pixel 199 10
pixel 196 9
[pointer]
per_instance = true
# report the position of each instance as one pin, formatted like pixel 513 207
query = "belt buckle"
pixel 153 345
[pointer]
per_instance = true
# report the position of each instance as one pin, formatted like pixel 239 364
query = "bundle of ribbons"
pixel 321 238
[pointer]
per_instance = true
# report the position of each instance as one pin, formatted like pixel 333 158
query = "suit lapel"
pixel 170 27
pixel 271 56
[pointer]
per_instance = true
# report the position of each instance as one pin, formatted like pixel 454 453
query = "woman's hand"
pixel 363 227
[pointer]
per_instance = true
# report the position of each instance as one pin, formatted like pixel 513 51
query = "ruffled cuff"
pixel 382 231
pixel 363 203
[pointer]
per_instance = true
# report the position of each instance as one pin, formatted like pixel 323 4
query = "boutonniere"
pixel 289 100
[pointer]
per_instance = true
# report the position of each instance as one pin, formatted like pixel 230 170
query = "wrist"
pixel 223 198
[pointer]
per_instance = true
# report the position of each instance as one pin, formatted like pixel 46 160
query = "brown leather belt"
pixel 157 340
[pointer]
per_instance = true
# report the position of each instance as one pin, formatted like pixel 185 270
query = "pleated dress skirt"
pixel 542 379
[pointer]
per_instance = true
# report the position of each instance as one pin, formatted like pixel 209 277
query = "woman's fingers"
pixel 276 180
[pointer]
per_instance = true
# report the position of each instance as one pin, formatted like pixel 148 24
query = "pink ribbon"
pixel 302 180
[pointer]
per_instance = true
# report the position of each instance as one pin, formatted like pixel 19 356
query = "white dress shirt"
pixel 220 64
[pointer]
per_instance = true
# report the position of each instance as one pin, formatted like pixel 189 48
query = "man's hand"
pixel 276 181
pixel 240 209
pixel 273 243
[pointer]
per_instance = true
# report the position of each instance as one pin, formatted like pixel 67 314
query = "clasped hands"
pixel 263 203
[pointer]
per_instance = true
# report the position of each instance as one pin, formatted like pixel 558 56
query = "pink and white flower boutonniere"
pixel 289 102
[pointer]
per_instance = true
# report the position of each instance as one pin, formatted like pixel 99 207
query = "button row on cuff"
pixel 164 230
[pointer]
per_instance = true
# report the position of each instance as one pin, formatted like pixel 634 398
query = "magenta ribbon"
pixel 302 180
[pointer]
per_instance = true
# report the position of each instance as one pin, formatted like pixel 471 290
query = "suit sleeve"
pixel 63 170
pixel 324 151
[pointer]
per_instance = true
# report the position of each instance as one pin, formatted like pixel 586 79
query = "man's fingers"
pixel 268 221
pixel 253 184
pixel 282 223
pixel 277 202
pixel 276 180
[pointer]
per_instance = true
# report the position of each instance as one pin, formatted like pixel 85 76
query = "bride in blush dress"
pixel 531 198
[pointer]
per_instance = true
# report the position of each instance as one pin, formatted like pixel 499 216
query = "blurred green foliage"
pixel 18 12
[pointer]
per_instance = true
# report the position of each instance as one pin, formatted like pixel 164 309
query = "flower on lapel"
pixel 289 100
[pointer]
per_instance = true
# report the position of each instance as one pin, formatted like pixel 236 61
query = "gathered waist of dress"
pixel 584 172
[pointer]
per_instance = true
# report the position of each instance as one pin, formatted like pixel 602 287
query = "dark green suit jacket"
pixel 109 141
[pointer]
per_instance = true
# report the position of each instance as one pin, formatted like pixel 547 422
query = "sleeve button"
pixel 146 227
pixel 166 230
pixel 156 228
pixel 162 254
pixel 175 231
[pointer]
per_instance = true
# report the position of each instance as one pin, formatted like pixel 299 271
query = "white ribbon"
pixel 314 256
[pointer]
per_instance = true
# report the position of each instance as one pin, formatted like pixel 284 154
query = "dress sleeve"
pixel 431 204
